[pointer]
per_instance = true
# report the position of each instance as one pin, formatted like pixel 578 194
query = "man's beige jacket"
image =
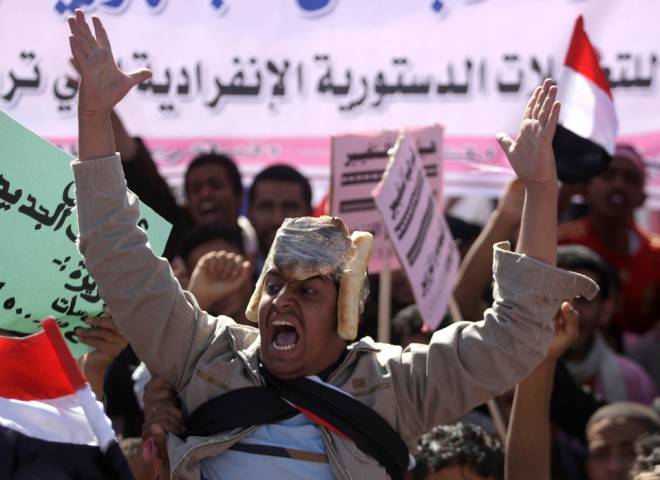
pixel 413 389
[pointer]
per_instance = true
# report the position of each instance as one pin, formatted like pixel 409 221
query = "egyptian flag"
pixel 586 134
pixel 51 426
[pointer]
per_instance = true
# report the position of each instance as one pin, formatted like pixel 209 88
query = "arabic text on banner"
pixel 417 229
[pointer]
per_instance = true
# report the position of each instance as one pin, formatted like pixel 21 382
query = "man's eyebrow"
pixel 274 273
pixel 323 278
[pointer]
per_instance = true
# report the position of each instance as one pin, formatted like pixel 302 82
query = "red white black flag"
pixel 51 425
pixel 586 136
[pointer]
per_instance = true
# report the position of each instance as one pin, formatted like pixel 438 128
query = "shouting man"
pixel 295 398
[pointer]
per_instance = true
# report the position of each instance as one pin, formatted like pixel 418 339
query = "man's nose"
pixel 278 216
pixel 206 190
pixel 619 181
pixel 284 298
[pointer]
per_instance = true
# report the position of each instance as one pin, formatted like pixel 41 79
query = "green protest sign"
pixel 41 271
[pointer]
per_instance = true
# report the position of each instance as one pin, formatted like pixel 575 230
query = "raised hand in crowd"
pixel 532 158
pixel 127 145
pixel 530 154
pixel 102 85
pixel 528 438
pixel 108 344
pixel 218 275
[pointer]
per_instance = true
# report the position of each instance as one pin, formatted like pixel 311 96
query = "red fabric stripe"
pixel 30 369
pixel 318 420
pixel 582 57
pixel 67 362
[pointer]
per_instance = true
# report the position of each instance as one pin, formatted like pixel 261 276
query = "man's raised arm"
pixel 532 158
pixel 148 305
pixel 476 361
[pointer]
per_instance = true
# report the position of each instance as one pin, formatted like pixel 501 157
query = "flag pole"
pixel 385 299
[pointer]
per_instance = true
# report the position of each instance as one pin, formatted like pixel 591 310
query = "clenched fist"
pixel 218 275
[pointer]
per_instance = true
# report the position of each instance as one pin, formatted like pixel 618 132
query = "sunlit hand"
pixel 530 154
pixel 218 275
pixel 104 337
pixel 107 343
pixel 566 331
pixel 102 83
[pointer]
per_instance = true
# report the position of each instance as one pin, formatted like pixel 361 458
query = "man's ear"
pixel 641 200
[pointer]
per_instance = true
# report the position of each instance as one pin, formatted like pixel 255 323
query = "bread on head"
pixel 252 310
pixel 350 286
pixel 307 247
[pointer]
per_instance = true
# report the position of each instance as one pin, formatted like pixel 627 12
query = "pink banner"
pixel 417 229
pixel 472 165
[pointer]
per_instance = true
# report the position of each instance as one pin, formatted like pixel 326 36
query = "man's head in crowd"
pixel 213 189
pixel 408 327
pixel 611 435
pixel 618 191
pixel 595 313
pixel 203 239
pixel 277 192
pixel 309 295
pixel 459 452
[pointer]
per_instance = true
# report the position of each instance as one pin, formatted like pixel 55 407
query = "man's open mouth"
pixel 207 208
pixel 285 335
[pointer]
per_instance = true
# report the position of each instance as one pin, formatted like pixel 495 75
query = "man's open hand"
pixel 530 154
pixel 102 83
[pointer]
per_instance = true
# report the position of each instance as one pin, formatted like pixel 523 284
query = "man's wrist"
pixel 94 118
pixel 549 188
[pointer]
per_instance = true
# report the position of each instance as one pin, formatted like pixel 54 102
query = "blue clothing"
pixel 298 433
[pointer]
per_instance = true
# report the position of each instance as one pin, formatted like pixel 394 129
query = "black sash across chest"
pixel 279 400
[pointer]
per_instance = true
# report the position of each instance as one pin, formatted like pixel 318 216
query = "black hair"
pixel 221 160
pixel 283 173
pixel 461 444
pixel 201 234
pixel 647 449
pixel 408 321
pixel 579 257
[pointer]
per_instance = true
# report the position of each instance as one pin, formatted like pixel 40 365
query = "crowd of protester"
pixel 588 411
pixel 601 416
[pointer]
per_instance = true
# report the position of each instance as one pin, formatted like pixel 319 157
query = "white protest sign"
pixel 418 231
pixel 358 164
